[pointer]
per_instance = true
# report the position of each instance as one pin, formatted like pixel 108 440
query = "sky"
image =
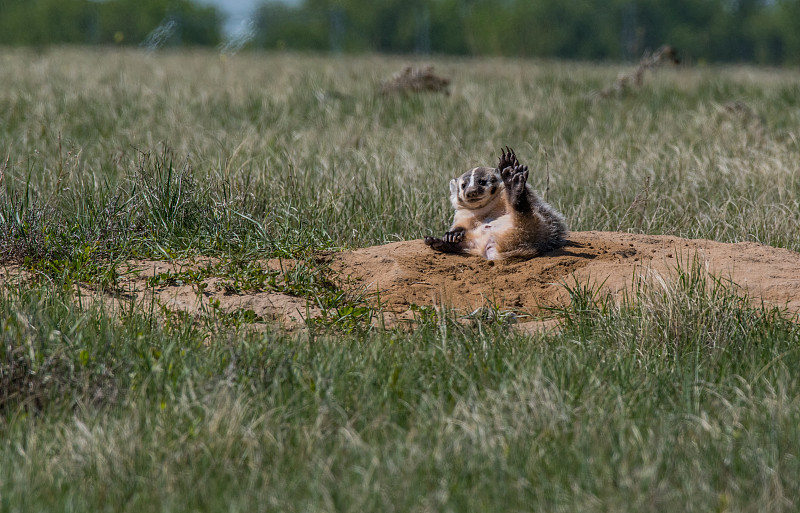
pixel 238 12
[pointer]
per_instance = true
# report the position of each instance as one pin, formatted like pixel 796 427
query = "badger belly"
pixel 493 237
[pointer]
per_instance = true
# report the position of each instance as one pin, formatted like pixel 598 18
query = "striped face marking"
pixel 468 181
pixel 478 186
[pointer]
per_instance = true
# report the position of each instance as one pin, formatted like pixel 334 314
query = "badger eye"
pixel 482 183
pixel 463 185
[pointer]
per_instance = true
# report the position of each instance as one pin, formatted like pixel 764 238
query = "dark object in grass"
pixel 415 80
pixel 635 78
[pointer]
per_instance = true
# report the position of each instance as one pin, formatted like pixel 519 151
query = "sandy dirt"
pixel 289 311
pixel 409 272
pixel 403 274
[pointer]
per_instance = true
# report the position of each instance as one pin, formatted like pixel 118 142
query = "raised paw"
pixel 517 181
pixel 510 175
pixel 516 188
pixel 507 159
pixel 520 177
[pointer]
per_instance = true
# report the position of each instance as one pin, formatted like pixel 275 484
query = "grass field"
pixel 684 398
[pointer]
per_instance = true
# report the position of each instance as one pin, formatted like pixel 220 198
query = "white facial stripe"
pixel 472 177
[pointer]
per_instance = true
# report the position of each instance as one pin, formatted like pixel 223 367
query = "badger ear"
pixel 454 193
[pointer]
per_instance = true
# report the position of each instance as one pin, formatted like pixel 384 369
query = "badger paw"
pixel 443 245
pixel 515 180
pixel 455 236
pixel 514 176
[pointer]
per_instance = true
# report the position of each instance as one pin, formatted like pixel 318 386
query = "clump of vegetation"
pixel 85 233
pixel 415 80
pixel 632 80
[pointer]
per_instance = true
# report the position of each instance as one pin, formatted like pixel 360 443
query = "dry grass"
pixel 684 398
pixel 294 135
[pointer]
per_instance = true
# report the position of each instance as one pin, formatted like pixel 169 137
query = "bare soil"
pixel 402 274
pixel 409 272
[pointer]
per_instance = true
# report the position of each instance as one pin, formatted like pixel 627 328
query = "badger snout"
pixel 474 192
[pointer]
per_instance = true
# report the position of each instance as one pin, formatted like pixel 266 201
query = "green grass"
pixel 684 397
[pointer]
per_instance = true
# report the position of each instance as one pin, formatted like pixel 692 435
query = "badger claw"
pixel 447 244
pixel 507 159
pixel 454 237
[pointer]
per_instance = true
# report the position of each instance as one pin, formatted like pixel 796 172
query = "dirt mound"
pixel 406 273
pixel 403 274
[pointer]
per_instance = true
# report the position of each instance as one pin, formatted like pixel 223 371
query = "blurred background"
pixel 752 31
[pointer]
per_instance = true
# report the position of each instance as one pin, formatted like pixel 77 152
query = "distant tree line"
pixel 127 22
pixel 762 31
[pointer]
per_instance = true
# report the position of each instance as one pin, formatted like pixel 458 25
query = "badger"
pixel 499 215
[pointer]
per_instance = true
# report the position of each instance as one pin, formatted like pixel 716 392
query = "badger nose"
pixel 474 192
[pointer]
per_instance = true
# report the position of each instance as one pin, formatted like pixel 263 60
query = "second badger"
pixel 499 216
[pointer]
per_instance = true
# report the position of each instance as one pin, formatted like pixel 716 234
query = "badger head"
pixel 475 188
